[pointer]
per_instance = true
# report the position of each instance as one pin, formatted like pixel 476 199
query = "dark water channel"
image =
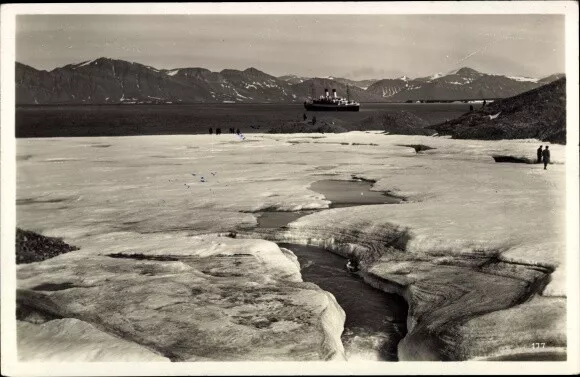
pixel 375 321
pixel 340 193
pixel 276 219
pixel 351 193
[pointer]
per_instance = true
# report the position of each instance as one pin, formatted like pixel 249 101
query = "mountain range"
pixel 111 81
pixel 462 84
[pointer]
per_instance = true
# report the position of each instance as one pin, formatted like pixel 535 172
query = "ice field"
pixel 477 248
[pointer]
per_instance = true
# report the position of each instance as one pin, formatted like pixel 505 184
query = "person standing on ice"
pixel 540 154
pixel 546 156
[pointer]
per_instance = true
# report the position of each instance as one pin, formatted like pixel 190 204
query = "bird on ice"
pixel 492 117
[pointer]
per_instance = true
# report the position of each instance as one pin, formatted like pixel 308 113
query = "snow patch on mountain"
pixel 521 78
pixel 293 79
pixel 173 72
pixel 238 94
pixel 85 63
pixel 435 76
pixel 390 91
pixel 463 81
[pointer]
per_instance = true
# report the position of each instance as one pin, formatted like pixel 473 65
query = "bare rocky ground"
pixel 34 247
pixel 157 276
pixel 539 113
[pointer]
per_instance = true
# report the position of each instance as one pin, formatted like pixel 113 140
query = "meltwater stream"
pixel 351 193
pixel 375 321
pixel 340 193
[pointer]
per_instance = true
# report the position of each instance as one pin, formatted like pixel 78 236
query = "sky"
pixel 351 46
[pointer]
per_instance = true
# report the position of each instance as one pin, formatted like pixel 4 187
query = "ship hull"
pixel 330 107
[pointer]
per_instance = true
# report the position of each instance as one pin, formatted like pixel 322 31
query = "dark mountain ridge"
pixel 463 84
pixel 112 81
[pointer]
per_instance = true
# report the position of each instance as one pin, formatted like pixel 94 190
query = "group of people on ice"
pixel 218 131
pixel 544 155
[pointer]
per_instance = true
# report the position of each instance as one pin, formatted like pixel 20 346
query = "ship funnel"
pixel 334 93
pixel 326 92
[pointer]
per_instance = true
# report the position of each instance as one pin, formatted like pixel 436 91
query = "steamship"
pixel 334 103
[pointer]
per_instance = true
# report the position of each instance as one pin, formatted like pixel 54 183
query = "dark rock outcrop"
pixel 398 123
pixel 513 159
pixel 322 126
pixel 34 247
pixel 417 147
pixel 539 113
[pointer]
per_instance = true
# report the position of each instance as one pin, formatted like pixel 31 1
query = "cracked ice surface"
pixel 212 298
pixel 145 195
